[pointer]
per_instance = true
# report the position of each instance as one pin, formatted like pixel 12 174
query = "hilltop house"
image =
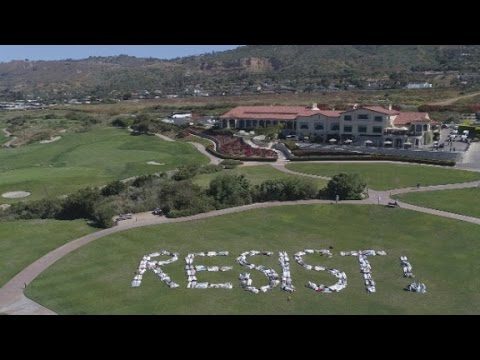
pixel 375 124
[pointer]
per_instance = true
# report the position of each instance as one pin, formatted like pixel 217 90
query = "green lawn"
pixel 96 279
pixel 458 201
pixel 256 174
pixel 391 176
pixel 90 158
pixel 24 241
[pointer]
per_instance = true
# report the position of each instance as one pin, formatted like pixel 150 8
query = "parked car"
pixel 157 211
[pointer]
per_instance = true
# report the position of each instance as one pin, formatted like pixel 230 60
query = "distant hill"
pixel 247 69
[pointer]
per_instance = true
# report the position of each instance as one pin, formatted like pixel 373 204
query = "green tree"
pixel 347 187
pixel 286 190
pixel 113 188
pixel 230 190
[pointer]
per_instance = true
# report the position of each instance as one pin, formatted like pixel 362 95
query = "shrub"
pixel 230 190
pixel 286 190
pixel 113 188
pixel 122 122
pixel 230 163
pixel 347 187
pixel 210 169
pixel 186 172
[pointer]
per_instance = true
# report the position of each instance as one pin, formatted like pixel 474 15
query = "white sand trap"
pixel 51 140
pixel 15 194
pixel 154 163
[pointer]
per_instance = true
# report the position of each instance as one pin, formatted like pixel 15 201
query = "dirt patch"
pixel 154 163
pixel 16 194
pixel 4 206
pixel 51 140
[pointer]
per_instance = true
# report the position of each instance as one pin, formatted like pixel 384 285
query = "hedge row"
pixel 325 153
pixel 375 158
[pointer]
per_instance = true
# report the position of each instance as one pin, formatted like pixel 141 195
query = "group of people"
pixel 147 264
pixel 341 276
pixel 365 267
pixel 246 281
pixel 407 267
pixel 192 270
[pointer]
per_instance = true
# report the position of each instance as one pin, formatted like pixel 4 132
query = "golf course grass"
pixel 255 174
pixel 458 201
pixel 24 241
pixel 96 279
pixel 88 159
pixel 390 176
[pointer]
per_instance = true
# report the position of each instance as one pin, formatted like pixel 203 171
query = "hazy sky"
pixel 57 52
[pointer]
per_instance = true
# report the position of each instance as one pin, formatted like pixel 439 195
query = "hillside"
pixel 247 69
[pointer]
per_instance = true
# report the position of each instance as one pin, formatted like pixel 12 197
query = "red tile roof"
pixel 381 110
pixel 275 112
pixel 405 118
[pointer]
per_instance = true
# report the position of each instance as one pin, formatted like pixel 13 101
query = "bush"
pixel 103 214
pixel 113 188
pixel 80 205
pixel 286 190
pixel 183 195
pixel 347 187
pixel 186 172
pixel 230 163
pixel 43 209
pixel 210 169
pixel 230 190
pixel 122 122
pixel 291 145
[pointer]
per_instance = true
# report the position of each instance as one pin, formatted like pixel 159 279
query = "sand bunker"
pixel 154 163
pixel 51 140
pixel 15 194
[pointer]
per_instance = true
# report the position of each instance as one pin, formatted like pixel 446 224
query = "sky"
pixel 59 52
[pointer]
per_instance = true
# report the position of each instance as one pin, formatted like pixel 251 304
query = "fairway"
pixel 96 279
pixel 24 241
pixel 391 176
pixel 88 159
pixel 458 201
pixel 255 174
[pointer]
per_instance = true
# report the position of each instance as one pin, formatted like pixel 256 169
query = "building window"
pixel 347 117
pixel 362 117
pixel 418 128
pixel 335 127
pixel 347 129
pixel 378 118
pixel 303 125
pixel 377 129
pixel 318 126
pixel 425 127
pixel 362 129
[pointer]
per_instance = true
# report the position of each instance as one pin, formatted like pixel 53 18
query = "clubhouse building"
pixel 373 125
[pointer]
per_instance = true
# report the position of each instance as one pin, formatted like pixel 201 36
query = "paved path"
pixel 455 99
pixel 9 135
pixel 163 137
pixel 213 159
